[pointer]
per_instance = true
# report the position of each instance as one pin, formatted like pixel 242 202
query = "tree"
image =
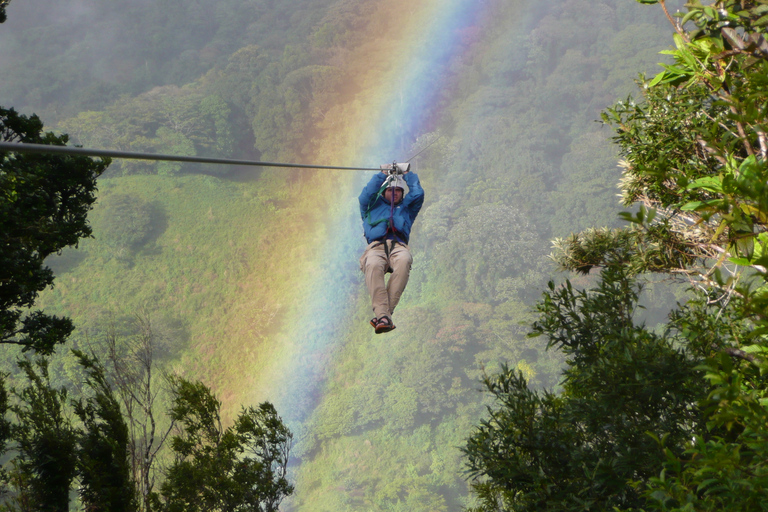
pixel 242 468
pixel 5 431
pixel 133 365
pixel 44 201
pixel 487 245
pixel 50 451
pixel 102 457
pixel 691 402
pixel 3 5
pixel 582 449
pixel 695 154
pixel 126 223
pixel 46 439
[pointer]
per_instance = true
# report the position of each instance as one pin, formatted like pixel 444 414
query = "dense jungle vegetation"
pixel 668 419
pixel 205 255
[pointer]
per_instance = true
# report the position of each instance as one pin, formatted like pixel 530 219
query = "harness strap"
pixel 392 206
pixel 388 251
pixel 372 202
pixel 389 183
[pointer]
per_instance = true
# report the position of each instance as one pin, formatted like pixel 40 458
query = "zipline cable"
pixel 22 147
pixel 423 150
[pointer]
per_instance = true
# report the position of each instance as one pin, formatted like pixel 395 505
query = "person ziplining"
pixel 388 212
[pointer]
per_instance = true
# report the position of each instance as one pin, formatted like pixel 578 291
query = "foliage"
pixel 653 249
pixel 721 64
pixel 588 170
pixel 168 120
pixel 87 61
pixel 486 245
pixel 5 432
pixel 724 469
pixel 45 200
pixel 133 362
pixel 241 468
pixel 47 440
pixel 103 466
pixel 695 153
pixel 45 203
pixel 50 450
pixel 231 266
pixel 581 449
pixel 126 223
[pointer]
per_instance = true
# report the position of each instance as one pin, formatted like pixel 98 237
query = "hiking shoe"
pixel 384 324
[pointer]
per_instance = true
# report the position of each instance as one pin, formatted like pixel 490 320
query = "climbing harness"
pixel 387 251
pixel 393 170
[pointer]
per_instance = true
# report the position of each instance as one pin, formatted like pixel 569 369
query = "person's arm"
pixel 369 191
pixel 415 198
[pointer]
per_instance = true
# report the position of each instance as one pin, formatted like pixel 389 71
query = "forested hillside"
pixel 225 260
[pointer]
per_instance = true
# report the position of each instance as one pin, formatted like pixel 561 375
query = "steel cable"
pixel 21 147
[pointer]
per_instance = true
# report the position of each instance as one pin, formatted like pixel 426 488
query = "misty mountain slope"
pixel 226 260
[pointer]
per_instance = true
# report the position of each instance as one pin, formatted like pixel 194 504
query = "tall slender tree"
pixel 133 364
pixel 103 465
pixel 46 438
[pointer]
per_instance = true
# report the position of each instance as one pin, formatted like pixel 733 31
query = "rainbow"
pixel 287 317
pixel 401 74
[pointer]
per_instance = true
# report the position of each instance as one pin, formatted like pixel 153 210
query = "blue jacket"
pixel 376 211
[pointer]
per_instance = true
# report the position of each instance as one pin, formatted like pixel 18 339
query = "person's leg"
pixel 400 260
pixel 374 264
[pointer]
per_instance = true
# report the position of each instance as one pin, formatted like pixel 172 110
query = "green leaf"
pixel 626 216
pixel 688 17
pixel 744 262
pixel 712 204
pixel 676 70
pixel 711 183
pixel 749 166
pixel 679 43
pixel 658 78
pixel 707 483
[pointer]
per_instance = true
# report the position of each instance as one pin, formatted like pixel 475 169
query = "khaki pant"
pixel 375 262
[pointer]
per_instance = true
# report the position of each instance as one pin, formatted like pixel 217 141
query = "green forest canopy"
pixel 250 78
pixel 664 419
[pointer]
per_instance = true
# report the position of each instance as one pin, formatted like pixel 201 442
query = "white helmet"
pixel 396 181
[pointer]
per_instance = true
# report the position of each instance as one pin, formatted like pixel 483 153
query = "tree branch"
pixel 739 354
